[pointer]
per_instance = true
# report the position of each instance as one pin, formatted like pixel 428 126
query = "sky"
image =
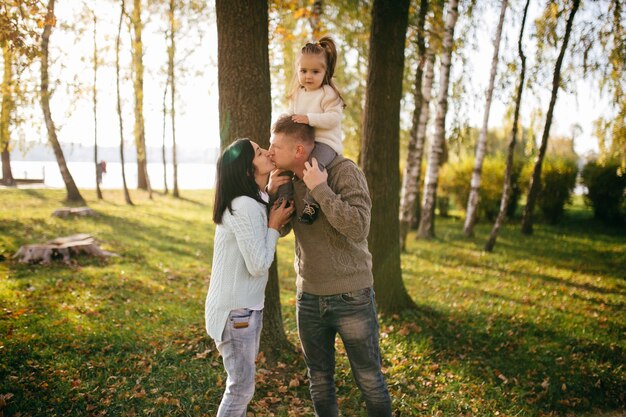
pixel 197 101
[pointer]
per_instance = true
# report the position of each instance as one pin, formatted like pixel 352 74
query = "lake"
pixel 191 176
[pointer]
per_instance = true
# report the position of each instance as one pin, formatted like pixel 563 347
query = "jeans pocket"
pixel 357 298
pixel 240 318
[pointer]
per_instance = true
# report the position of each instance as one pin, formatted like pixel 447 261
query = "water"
pixel 191 176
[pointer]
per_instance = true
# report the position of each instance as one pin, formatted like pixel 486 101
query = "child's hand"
pixel 312 175
pixel 300 118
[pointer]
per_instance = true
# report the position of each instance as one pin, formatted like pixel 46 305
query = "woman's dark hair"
pixel 234 178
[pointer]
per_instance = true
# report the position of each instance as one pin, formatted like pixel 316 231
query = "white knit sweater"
pixel 324 109
pixel 242 254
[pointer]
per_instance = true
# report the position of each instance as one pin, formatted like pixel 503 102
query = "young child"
pixel 316 101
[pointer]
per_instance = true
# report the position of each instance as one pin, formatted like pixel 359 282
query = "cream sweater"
pixel 324 109
pixel 242 254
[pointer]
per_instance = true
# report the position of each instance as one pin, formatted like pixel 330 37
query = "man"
pixel 334 270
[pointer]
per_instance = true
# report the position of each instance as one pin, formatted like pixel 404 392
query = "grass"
pixel 534 329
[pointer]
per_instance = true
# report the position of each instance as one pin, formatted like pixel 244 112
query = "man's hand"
pixel 312 175
pixel 300 118
pixel 276 180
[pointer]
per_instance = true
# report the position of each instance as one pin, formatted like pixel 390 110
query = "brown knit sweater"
pixel 332 256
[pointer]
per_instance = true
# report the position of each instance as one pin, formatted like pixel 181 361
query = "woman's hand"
pixel 276 180
pixel 280 213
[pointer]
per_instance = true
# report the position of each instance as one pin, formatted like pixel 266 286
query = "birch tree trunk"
pixel 73 195
pixel 163 156
pixel 171 54
pixel 481 146
pixel 6 111
pixel 143 181
pixel 414 152
pixel 380 151
pixel 245 111
pixel 426 228
pixel 508 173
pixel 535 181
pixel 119 101
pixel 315 20
pixel 95 108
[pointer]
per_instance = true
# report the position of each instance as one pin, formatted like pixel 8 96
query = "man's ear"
pixel 300 151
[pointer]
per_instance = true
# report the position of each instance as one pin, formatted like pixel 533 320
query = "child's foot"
pixel 309 214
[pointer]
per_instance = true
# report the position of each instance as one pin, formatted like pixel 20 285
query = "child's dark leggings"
pixel 324 155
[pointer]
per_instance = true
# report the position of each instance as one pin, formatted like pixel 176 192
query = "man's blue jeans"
pixel 239 347
pixel 353 316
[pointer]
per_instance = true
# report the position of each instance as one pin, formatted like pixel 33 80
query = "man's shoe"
pixel 309 214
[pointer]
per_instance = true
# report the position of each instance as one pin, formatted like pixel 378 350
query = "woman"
pixel 245 242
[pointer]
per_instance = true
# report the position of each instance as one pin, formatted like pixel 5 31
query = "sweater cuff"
pixel 322 192
pixel 273 234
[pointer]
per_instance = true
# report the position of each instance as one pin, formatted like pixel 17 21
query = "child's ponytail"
pixel 327 44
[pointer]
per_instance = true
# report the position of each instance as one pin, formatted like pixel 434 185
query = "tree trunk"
pixel 143 181
pixel 380 149
pixel 245 111
pixel 167 84
pixel 508 173
pixel 5 115
pixel 73 195
pixel 415 148
pixel 316 18
pixel 427 219
pixel 119 102
pixel 95 110
pixel 481 146
pixel 535 181
pixel 171 53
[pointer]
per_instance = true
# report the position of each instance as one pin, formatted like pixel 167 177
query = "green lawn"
pixel 535 329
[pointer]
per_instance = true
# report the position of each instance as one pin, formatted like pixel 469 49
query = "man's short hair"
pixel 300 131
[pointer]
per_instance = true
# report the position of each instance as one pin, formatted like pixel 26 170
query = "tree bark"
pixel 426 228
pixel 8 105
pixel 508 173
pixel 481 146
pixel 119 101
pixel 315 20
pixel 73 195
pixel 143 181
pixel 380 149
pixel 411 174
pixel 245 111
pixel 95 109
pixel 171 54
pixel 163 156
pixel 535 181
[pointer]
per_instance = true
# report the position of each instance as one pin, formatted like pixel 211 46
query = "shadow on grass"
pixel 538 369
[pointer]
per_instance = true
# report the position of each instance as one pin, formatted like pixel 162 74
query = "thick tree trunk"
pixel 143 181
pixel 535 181
pixel 95 110
pixel 409 190
pixel 119 101
pixel 73 195
pixel 245 111
pixel 5 115
pixel 171 53
pixel 508 173
pixel 427 219
pixel 380 149
pixel 481 146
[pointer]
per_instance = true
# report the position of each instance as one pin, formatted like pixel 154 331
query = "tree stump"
pixel 61 247
pixel 74 212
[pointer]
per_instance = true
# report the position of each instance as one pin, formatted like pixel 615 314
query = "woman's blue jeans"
pixel 239 348
pixel 353 316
